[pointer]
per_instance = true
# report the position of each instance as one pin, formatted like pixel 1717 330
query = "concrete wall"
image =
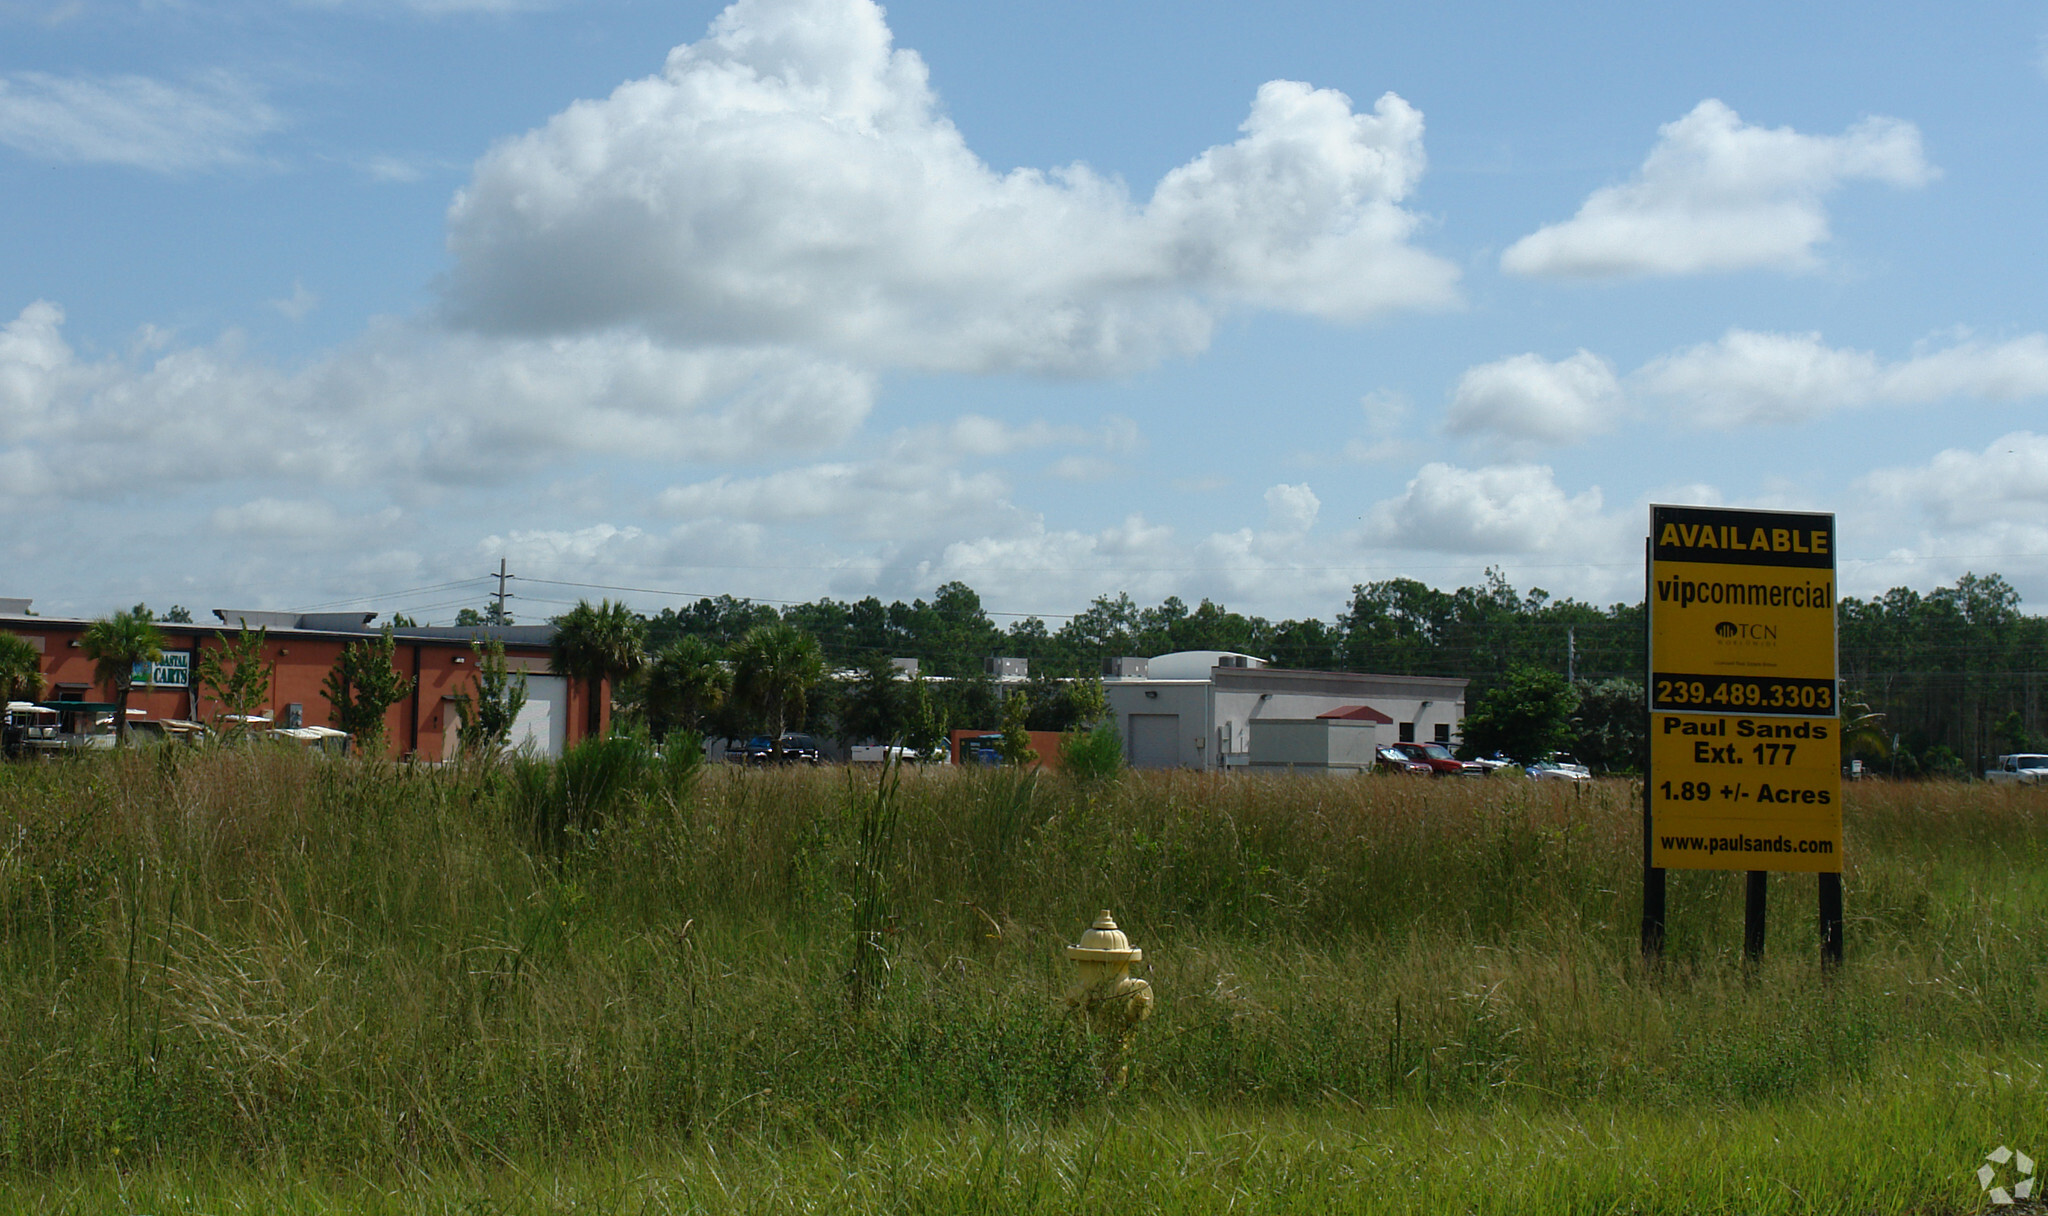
pixel 1314 744
pixel 1187 701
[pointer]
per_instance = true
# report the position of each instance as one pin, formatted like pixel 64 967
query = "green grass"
pixel 1903 1144
pixel 252 980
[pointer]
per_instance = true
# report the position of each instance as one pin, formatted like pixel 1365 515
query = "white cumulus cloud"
pixel 979 435
pixel 143 123
pixel 791 179
pixel 914 488
pixel 877 500
pixel 1718 194
pixel 400 404
pixel 299 519
pixel 1527 399
pixel 1749 378
pixel 2005 482
pixel 1499 509
pixel 1292 508
pixel 299 304
pixel 1962 511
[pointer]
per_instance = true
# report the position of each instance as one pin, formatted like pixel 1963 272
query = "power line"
pixel 755 599
pixel 1360 567
pixel 387 595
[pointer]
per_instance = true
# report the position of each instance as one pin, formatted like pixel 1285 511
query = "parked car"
pixel 882 753
pixel 2020 768
pixel 1560 767
pixel 796 749
pixel 1439 759
pixel 1391 760
pixel 800 749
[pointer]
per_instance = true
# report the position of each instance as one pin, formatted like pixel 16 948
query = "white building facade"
pixel 1204 708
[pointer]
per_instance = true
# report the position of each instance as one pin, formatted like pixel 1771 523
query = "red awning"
pixel 1358 713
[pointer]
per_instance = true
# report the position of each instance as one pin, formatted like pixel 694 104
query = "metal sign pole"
pixel 1653 875
pixel 1753 916
pixel 1830 921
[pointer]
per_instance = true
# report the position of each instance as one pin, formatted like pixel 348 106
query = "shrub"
pixel 1015 745
pixel 1095 754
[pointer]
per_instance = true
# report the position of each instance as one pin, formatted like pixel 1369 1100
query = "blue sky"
pixel 320 303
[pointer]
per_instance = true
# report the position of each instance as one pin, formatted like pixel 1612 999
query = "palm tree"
pixel 116 644
pixel 598 644
pixel 1863 732
pixel 21 670
pixel 774 669
pixel 686 683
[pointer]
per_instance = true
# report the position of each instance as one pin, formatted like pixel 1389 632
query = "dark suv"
pixel 1440 760
pixel 796 749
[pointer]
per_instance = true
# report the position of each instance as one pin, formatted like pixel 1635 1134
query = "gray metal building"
pixel 1218 710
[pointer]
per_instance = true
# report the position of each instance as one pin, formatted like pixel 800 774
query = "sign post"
pixel 1745 748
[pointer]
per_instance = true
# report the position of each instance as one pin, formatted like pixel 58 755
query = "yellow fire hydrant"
pixel 1107 995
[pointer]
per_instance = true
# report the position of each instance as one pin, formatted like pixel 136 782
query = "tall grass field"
pixel 249 980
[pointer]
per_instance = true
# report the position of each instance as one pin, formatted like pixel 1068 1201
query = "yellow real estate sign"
pixel 1745 754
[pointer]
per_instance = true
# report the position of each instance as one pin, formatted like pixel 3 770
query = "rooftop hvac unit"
pixel 1125 668
pixel 1008 669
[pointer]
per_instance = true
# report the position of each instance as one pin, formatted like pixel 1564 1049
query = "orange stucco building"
pixel 301 648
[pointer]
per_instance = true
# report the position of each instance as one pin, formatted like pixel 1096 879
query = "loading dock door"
pixel 1155 740
pixel 544 720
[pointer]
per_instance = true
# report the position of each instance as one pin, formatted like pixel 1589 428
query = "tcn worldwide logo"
pixel 1744 634
pixel 2003 1185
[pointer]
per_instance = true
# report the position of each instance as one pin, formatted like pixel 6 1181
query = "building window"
pixel 1407 732
pixel 71 692
pixel 1443 732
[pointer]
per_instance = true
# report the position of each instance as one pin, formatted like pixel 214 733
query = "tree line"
pixel 1956 675
pixel 1935 683
pixel 706 666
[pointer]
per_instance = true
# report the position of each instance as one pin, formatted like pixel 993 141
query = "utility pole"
pixel 503 595
pixel 1571 654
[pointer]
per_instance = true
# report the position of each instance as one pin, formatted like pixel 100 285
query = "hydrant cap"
pixel 1105 943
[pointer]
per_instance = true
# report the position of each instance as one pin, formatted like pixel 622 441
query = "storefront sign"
pixel 173 670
